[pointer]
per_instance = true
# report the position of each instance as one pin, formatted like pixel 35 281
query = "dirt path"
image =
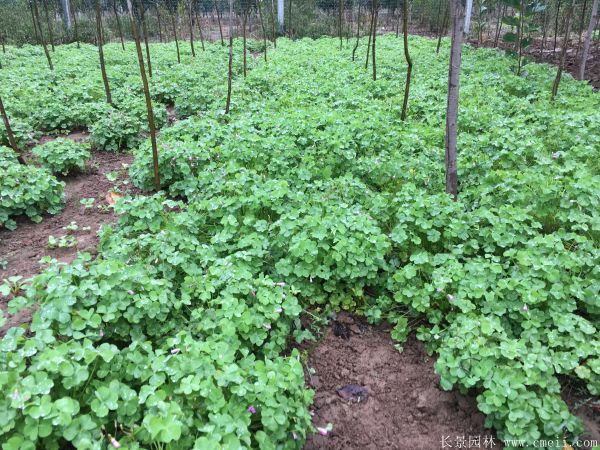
pixel 22 249
pixel 405 409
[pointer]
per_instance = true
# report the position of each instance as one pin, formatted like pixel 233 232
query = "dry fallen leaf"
pixel 112 197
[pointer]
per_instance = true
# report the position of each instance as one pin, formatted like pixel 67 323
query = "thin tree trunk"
pixel 438 21
pixel 581 25
pixel 75 26
pixel 597 39
pixel 468 14
pixel 245 19
pixel 357 33
pixel 556 27
pixel 220 27
pixel 545 31
pixel 35 30
pixel 520 38
pixel 501 11
pixel 191 22
pixel 588 39
pixel 290 31
pixel 149 109
pixel 480 23
pixel 49 24
pixel 11 137
pixel 370 37
pixel 173 21
pixel 230 69
pixel 119 24
pixel 43 42
pixel 158 21
pixel 375 13
pixel 563 52
pixel 274 34
pixel 457 12
pixel 399 18
pixel 443 29
pixel 212 15
pixel 408 59
pixel 340 7
pixel 348 21
pixel 199 22
pixel 101 52
pixel 145 31
pixel 262 24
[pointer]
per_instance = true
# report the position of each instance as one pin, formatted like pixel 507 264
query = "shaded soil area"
pixel 377 397
pixel 585 407
pixel 550 56
pixel 592 67
pixel 542 53
pixel 403 408
pixel 22 249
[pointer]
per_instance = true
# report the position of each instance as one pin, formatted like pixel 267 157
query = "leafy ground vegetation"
pixel 26 190
pixel 62 156
pixel 310 196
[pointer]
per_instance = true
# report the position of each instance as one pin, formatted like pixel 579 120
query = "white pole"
pixel 66 13
pixel 468 16
pixel 280 9
pixel 457 11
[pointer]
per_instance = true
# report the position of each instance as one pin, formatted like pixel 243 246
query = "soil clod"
pixel 353 393
pixel 341 330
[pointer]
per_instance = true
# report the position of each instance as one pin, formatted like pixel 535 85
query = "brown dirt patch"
pixel 549 56
pixel 592 67
pixel 22 249
pixel 584 406
pixel 405 409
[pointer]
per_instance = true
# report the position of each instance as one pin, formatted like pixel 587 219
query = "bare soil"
pixel 592 67
pixel 405 407
pixel 22 249
pixel 549 55
pixel 585 407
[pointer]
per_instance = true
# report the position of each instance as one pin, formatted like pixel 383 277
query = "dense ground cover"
pixel 310 196
pixel 26 190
